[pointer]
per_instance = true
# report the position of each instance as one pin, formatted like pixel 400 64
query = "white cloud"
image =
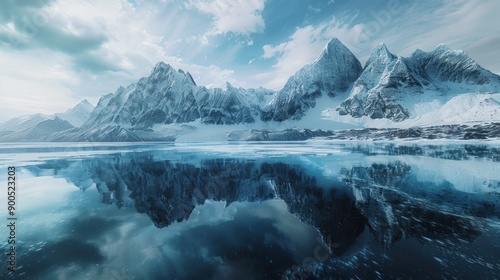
pixel 313 9
pixel 233 16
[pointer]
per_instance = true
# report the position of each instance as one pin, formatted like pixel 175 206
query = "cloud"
pixel 313 9
pixel 34 82
pixel 232 16
pixel 40 24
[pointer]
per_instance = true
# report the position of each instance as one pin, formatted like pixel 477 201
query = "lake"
pixel 293 210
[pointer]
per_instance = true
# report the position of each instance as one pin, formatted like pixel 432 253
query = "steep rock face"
pixel 101 105
pixel 231 105
pixel 332 73
pixel 388 81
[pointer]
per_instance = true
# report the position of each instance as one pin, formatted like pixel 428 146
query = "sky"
pixel 55 53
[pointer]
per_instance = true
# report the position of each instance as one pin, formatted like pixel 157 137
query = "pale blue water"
pixel 300 210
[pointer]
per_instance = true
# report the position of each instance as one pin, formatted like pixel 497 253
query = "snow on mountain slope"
pixel 465 108
pixel 74 116
pixel 22 123
pixel 471 108
pixel 77 115
pixel 331 74
pixel 390 87
pixel 170 96
pixel 39 132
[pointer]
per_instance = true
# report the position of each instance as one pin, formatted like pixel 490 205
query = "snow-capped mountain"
pixel 39 132
pixel 77 115
pixel 440 87
pixel 388 87
pixel 331 74
pixel 22 123
pixel 391 85
pixel 38 126
pixel 168 96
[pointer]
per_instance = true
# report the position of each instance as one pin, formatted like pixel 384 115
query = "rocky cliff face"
pixel 331 74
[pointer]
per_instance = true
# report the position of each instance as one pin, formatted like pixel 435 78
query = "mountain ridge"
pixel 388 87
pixel 40 126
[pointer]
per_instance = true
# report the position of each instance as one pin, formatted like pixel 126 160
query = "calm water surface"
pixel 305 210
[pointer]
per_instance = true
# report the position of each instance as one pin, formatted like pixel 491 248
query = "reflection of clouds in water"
pixel 77 237
pixel 217 241
pixel 48 259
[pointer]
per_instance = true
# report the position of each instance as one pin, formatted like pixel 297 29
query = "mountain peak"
pixel 333 43
pixel 382 50
pixel 441 48
pixel 163 70
pixel 332 49
pixel 382 54
pixel 229 86
pixel 85 104
pixel 162 66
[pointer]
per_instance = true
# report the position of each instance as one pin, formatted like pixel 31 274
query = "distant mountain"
pixel 38 127
pixel 77 115
pixel 166 96
pixel 38 132
pixel 22 123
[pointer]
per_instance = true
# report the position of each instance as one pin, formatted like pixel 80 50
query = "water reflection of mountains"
pixel 390 199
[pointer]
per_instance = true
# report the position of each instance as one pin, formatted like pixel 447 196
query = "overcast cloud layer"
pixel 55 53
